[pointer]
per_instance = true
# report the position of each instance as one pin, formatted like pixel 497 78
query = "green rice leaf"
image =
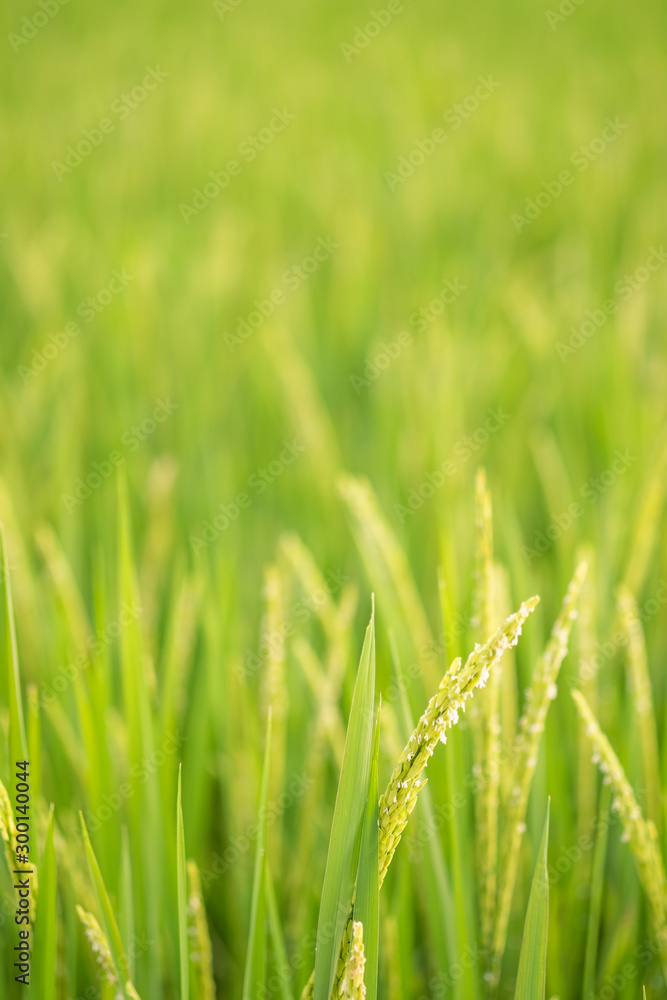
pixel 44 950
pixel 344 842
pixel 367 897
pixel 277 939
pixel 597 889
pixel 255 967
pixel 532 974
pixel 126 902
pixel 109 925
pixel 18 745
pixel 181 871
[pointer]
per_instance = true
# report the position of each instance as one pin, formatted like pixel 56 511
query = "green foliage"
pixel 223 427
pixel 532 974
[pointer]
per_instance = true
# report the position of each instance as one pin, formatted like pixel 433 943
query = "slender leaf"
pixel 367 898
pixel 44 950
pixel 532 976
pixel 126 902
pixel 18 745
pixel 255 967
pixel 278 941
pixel 344 842
pixel 182 877
pixel 109 925
pixel 597 889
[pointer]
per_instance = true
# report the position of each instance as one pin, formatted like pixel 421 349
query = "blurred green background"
pixel 166 334
pixel 324 176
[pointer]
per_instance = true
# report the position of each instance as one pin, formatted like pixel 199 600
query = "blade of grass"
pixel 597 890
pixel 126 903
pixel 460 822
pixel 344 842
pixel 44 949
pixel 367 897
pixel 18 745
pixel 532 974
pixel 182 894
pixel 279 950
pixel 255 966
pixel 146 823
pixel 201 955
pixel 588 682
pixel 34 741
pixel 109 925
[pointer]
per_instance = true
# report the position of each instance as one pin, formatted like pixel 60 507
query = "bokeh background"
pixel 559 74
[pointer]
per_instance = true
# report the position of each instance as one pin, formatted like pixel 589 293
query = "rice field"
pixel 333 469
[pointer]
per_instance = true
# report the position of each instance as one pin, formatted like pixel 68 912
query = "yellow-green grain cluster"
pixel 642 699
pixel 441 713
pixel 349 981
pixel 102 952
pixel 200 943
pixel 539 696
pixel 487 728
pixel 639 832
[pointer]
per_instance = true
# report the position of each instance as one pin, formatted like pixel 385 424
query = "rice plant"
pixel 333 476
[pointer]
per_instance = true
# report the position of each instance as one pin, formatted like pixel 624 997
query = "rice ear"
pixel 441 713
